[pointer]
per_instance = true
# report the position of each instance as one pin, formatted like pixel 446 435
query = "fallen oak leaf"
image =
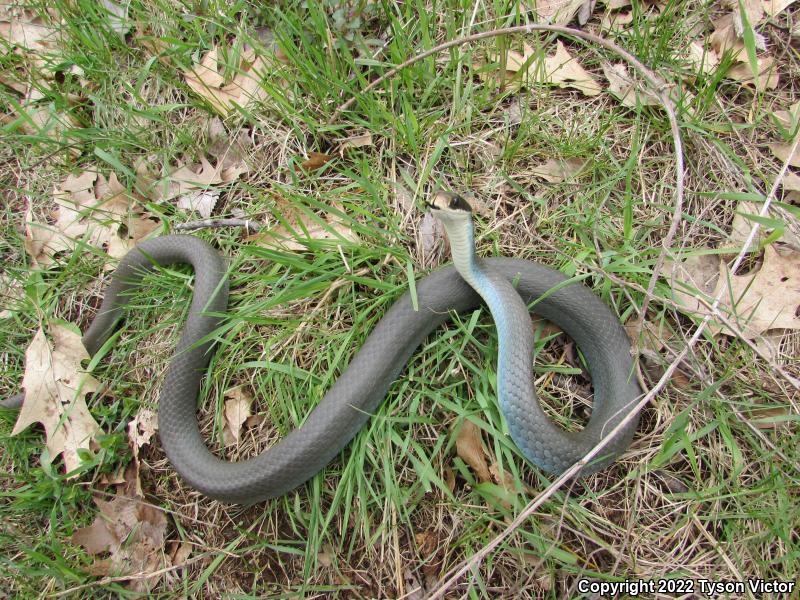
pixel 768 298
pixel 783 152
pixel 431 232
pixel 316 160
pixel 356 141
pixel 117 17
pixel 187 179
pixel 206 80
pixel 616 21
pixel 770 417
pixel 703 59
pixel 767 77
pixel 40 118
pixel 560 170
pixel 627 89
pixel 29 35
pixel 729 29
pixel 470 449
pixel 787 119
pixel 563 70
pixel 774 7
pixel 200 201
pixel 302 227
pixel 695 274
pixel 506 481
pixel 11 291
pixel 131 531
pixel 557 12
pixel 237 410
pixel 55 395
pixel 141 430
pixel 560 69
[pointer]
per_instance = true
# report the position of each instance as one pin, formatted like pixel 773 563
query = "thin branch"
pixel 251 226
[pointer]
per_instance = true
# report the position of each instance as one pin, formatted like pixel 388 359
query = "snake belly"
pixel 359 390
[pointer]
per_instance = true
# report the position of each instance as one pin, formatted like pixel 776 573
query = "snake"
pixel 506 285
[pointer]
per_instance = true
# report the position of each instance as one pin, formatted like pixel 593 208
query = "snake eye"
pixel 458 203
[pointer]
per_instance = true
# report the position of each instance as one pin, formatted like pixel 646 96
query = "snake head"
pixel 443 202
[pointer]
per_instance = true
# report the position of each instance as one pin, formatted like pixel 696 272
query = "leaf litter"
pixel 132 532
pixel 208 81
pixel 93 210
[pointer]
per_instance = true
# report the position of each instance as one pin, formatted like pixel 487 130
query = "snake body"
pixel 359 390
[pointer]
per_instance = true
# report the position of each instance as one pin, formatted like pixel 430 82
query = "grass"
pixel 698 494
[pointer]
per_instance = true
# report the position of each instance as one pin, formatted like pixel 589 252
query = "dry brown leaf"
pixel 228 150
pixel 649 335
pixel 180 553
pixel 768 417
pixel 132 531
pixel 207 81
pixel 791 182
pixel 141 430
pixel 29 35
pixel 617 4
pixel 769 343
pixel 470 449
pixel 316 160
pixel 405 199
pixel 788 118
pixel 767 74
pixel 431 233
pixel 557 12
pixel 765 299
pixel 703 59
pixel 775 7
pixel 783 152
pixel 93 210
pixel 560 69
pixel 55 395
pixel 41 117
pixel 303 227
pixel 237 410
pixel 505 480
pixel 560 170
pixel 616 20
pixel 729 28
pixel 565 71
pixel 627 89
pixel 200 201
pixel 187 180
pixel 11 291
pixel 356 141
pixel 697 272
pixel 741 225
pixel 754 9
pixel 117 17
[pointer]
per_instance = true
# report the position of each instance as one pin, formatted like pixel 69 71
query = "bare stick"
pixel 251 226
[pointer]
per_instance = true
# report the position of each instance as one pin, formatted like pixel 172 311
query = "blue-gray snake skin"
pixel 359 390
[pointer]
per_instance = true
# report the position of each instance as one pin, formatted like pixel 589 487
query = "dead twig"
pixel 251 226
